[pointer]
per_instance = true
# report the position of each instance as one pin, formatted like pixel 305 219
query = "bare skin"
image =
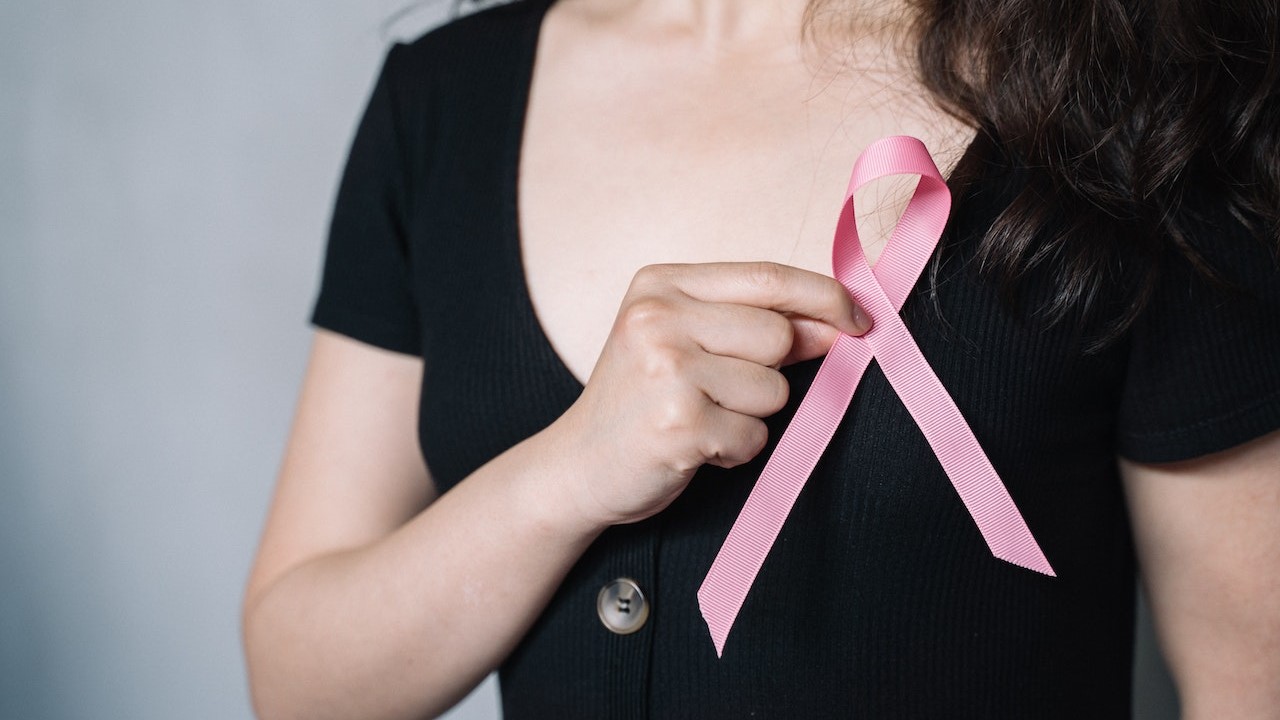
pixel 733 147
pixel 1208 540
pixel 700 149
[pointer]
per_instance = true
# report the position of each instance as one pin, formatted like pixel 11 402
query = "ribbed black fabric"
pixel 880 598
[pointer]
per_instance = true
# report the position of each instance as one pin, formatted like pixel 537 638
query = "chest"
pixel 634 160
pixel 536 202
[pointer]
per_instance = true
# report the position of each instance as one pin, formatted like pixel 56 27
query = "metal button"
pixel 622 607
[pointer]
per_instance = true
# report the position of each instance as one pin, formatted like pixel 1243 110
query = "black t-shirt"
pixel 880 598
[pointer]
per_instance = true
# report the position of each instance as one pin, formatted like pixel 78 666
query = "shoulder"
pixel 472 45
pixel 460 80
pixel 1224 253
pixel 466 69
pixel 1202 373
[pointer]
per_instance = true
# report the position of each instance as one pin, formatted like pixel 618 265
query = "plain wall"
pixel 166 174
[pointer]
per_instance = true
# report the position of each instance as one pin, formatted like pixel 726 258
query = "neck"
pixel 727 24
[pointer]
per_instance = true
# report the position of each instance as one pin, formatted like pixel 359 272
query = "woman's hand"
pixel 687 372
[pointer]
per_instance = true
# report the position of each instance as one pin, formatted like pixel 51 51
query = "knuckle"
pixel 675 414
pixel 766 275
pixel 663 363
pixel 781 337
pixel 652 274
pixel 687 465
pixel 717 452
pixel 746 444
pixel 646 315
pixel 757 438
pixel 779 390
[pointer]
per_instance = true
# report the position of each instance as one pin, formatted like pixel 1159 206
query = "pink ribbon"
pixel 881 292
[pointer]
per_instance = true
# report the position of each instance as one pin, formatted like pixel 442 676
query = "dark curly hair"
pixel 1117 108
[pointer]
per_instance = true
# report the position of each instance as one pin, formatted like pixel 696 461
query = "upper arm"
pixel 1197 430
pixel 352 470
pixel 1207 533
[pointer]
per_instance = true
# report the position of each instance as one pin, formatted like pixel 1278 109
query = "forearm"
pixel 406 626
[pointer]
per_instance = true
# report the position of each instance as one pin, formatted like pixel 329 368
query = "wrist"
pixel 553 476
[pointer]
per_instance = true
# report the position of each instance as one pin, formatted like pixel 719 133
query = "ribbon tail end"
pixel 1030 558
pixel 719 633
pixel 717 625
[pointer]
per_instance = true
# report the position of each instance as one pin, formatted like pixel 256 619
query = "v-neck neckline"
pixel 511 193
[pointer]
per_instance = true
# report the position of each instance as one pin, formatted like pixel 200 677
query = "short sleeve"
pixel 1204 363
pixel 366 286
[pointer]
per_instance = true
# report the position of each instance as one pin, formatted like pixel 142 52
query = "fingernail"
pixel 861 320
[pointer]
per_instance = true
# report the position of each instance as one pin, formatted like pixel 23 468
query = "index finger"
pixel 771 285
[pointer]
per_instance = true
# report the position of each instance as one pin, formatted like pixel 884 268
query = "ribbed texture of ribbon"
pixel 881 292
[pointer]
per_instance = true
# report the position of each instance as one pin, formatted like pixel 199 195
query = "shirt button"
pixel 622 607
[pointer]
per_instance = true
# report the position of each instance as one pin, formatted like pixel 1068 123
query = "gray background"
pixel 166 172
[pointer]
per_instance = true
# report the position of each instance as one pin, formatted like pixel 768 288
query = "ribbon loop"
pixel 880 291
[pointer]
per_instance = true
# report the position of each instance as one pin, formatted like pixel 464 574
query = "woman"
pixel 597 376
